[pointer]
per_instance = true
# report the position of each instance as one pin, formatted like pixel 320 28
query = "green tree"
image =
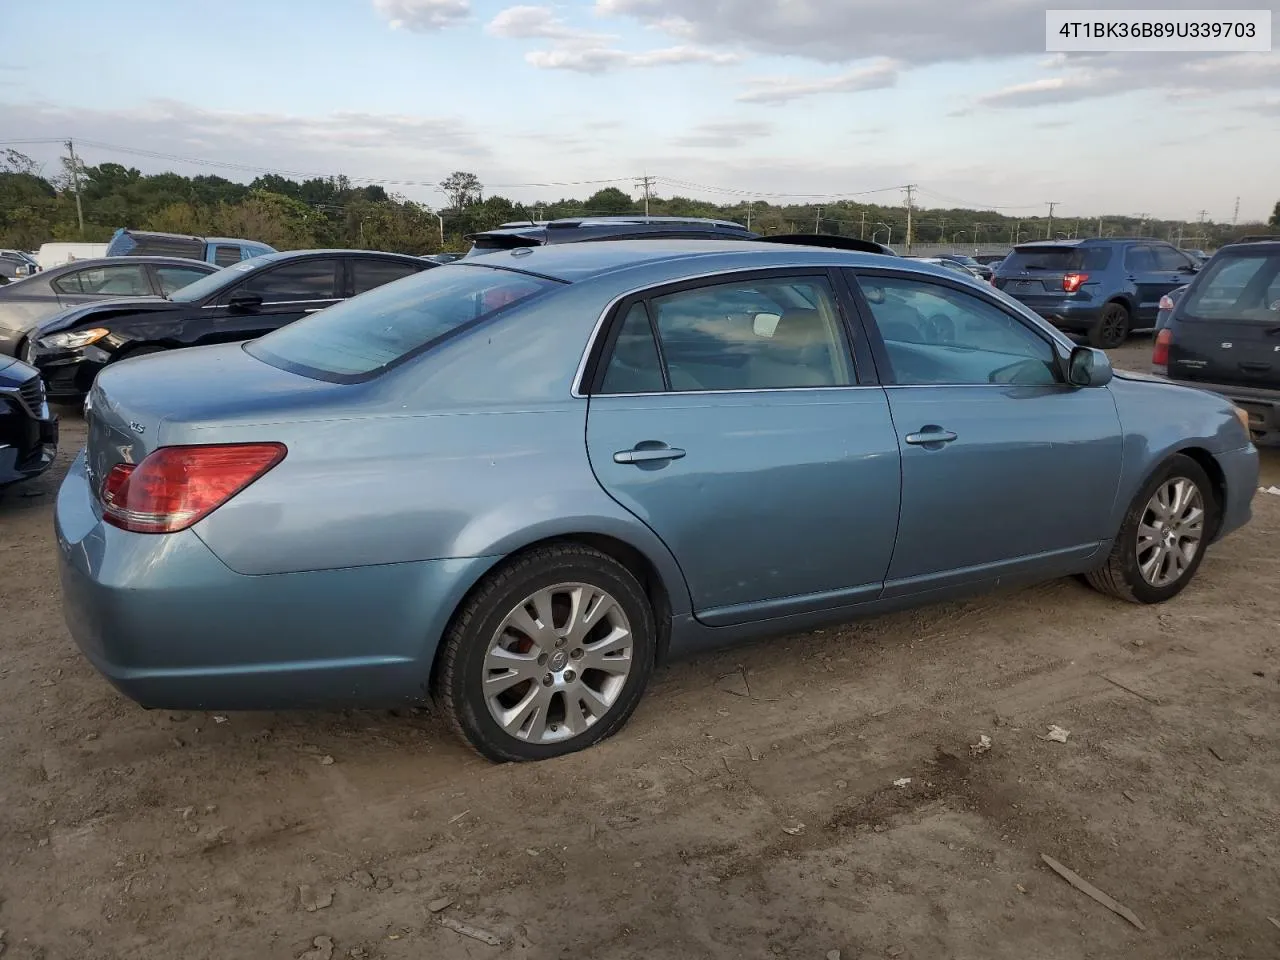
pixel 1275 216
pixel 461 188
pixel 610 201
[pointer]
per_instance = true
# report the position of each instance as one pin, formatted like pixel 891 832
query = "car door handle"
pixel 929 435
pixel 654 454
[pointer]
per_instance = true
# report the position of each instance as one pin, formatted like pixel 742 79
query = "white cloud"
pixel 778 90
pixel 529 22
pixel 601 59
pixel 1185 77
pixel 724 134
pixel 423 16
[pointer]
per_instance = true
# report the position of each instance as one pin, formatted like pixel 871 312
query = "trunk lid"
pixel 138 405
pixel 1037 270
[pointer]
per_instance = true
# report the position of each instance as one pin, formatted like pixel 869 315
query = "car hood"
pixel 103 310
pixel 13 370
pixel 1141 377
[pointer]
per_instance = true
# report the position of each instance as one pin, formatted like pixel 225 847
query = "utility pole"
pixel 910 188
pixel 1235 217
pixel 817 222
pixel 1180 236
pixel 862 230
pixel 1099 226
pixel 646 184
pixel 75 184
pixel 1142 226
pixel 1049 232
pixel 942 229
pixel 750 204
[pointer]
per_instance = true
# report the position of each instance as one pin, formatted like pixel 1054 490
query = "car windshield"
pixel 1242 287
pixel 1055 259
pixel 219 279
pixel 358 339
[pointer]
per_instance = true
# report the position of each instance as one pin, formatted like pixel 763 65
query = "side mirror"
pixel 245 302
pixel 1088 367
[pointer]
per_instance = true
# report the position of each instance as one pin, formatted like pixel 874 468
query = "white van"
pixel 56 254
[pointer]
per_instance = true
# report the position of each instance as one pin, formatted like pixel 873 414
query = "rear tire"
pixel 549 655
pixel 1158 551
pixel 1112 327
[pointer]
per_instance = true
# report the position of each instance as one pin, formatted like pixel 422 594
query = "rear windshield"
pixel 361 337
pixel 1056 259
pixel 1243 287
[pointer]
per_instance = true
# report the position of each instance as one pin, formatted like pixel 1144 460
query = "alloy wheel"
pixel 558 663
pixel 1171 531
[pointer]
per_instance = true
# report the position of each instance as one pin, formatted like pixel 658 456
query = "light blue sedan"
pixel 515 482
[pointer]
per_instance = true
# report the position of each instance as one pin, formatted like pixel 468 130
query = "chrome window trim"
pixel 575 389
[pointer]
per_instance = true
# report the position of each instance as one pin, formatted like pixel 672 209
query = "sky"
pixel 727 100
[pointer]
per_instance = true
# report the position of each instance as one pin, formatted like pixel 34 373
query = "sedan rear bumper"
pixel 171 626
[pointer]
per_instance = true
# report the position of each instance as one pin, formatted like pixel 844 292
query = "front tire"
pixel 1112 327
pixel 549 655
pixel 1163 537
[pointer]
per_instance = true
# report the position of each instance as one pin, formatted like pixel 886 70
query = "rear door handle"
pixel 930 435
pixel 646 454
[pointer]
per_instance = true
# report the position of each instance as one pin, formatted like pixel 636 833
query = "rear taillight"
pixel 1166 302
pixel 1071 282
pixel 1160 355
pixel 175 487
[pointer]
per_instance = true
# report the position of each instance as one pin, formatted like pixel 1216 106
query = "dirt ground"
pixel 749 809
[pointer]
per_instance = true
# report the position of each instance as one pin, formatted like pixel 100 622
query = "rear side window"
pixel 634 366
pixel 113 281
pixel 224 256
pixel 1239 287
pixel 1056 259
pixel 368 274
pixel 361 337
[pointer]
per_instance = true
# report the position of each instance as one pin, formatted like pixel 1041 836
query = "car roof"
pixel 277 255
pixel 113 261
pixel 575 262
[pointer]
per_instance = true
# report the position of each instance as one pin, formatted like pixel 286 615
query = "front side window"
pixel 1241 287
pixel 1168 258
pixel 936 335
pixel 173 279
pixel 300 282
pixel 766 334
pixel 113 281
pixel 360 337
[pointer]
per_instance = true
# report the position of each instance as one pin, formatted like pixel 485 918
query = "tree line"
pixel 334 212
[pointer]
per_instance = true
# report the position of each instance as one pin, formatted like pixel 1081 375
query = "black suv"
pixel 1223 335
pixel 1103 288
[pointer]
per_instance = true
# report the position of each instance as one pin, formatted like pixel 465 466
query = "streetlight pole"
pixel 889 238
pixel 441 219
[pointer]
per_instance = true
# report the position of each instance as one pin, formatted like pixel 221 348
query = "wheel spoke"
pixel 610 655
pixel 574 721
pixel 528 718
pixel 1192 521
pixel 503 669
pixel 1152 565
pixel 1148 536
pixel 539 631
pixel 597 607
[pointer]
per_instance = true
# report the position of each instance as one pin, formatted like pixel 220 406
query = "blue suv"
pixel 1103 288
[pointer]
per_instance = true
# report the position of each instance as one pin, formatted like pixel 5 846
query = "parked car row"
pixel 518 481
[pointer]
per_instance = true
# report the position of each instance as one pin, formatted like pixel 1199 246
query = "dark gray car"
pixel 26 303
